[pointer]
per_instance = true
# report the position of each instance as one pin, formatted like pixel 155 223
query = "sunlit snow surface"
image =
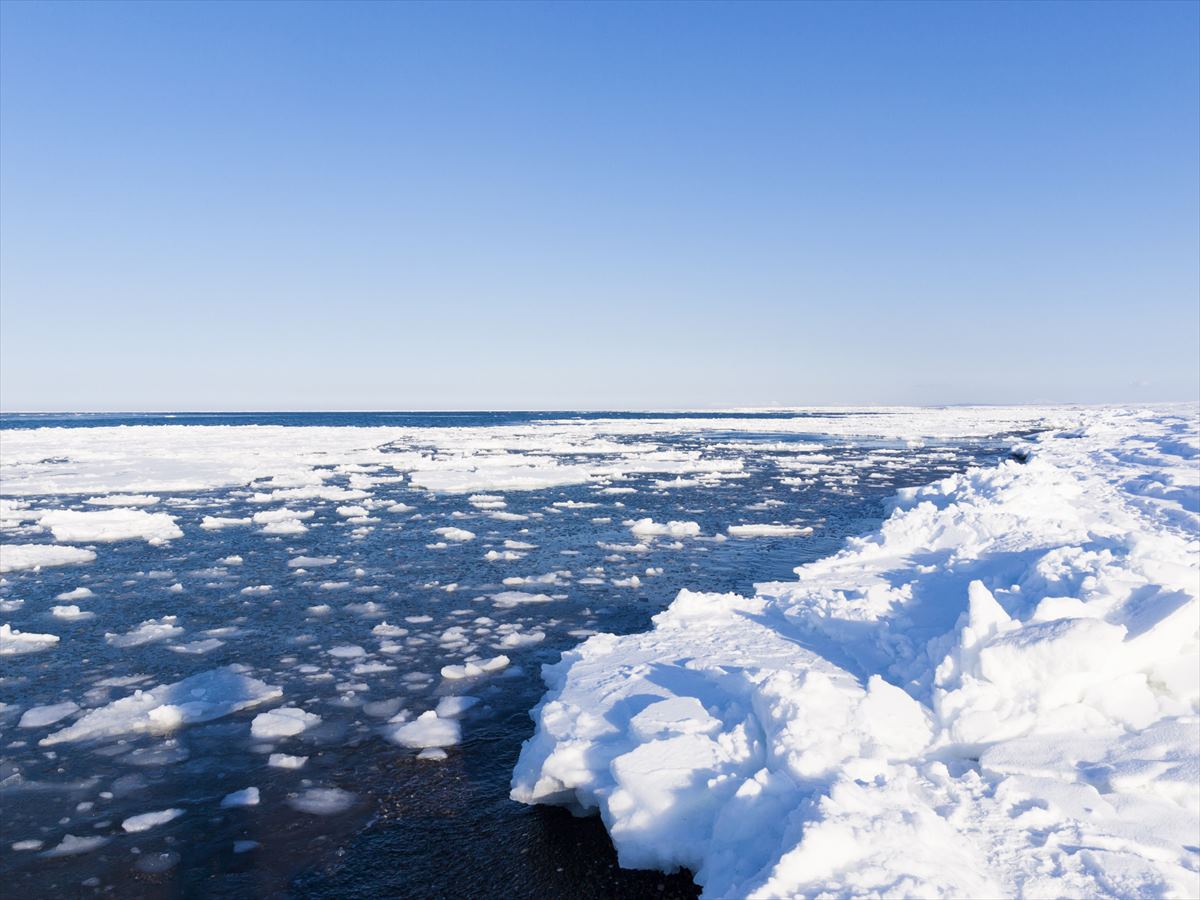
pixel 994 695
pixel 346 622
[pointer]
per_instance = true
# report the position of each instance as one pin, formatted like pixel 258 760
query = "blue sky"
pixel 372 206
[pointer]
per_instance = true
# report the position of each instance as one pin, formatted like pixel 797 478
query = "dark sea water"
pixel 415 828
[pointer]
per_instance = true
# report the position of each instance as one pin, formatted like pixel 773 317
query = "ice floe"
pixel 15 557
pixel 198 698
pixel 104 526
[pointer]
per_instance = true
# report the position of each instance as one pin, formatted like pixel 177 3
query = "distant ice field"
pixel 273 651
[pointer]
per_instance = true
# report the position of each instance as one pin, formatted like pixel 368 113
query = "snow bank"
pixel 199 698
pixel 996 694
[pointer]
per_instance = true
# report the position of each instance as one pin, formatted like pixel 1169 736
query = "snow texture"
pixel 996 694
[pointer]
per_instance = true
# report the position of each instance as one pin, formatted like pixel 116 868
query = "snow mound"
pixel 996 694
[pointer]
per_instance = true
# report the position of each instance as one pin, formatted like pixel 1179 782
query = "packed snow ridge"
pixel 994 695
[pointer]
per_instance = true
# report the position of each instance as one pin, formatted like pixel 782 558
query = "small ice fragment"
pixel 246 797
pixel 283 722
pixel 40 716
pixel 284 761
pixel 146 821
pixel 322 801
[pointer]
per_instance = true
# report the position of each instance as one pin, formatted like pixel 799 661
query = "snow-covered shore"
pixel 996 694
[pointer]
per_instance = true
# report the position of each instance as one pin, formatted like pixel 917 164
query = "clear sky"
pixel 373 206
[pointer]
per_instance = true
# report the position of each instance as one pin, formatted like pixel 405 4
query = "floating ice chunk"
pixel 32 844
pixel 285 526
pixel 509 599
pixel 473 668
pixel 383 709
pixel 198 648
pixel 432 754
pixel 352 512
pixel 70 613
pixel 455 534
pixel 631 582
pixel 215 523
pixel 16 643
pixel 499 477
pixel 17 557
pixel 311 562
pixel 283 514
pixel 487 501
pixel 322 801
pixel 347 651
pixel 146 821
pixel 123 500
pixel 764 530
pixel 453 707
pixel 514 640
pixel 40 716
pixel 71 845
pixel 245 797
pixel 79 593
pixel 283 722
pixel 110 525
pixel 199 698
pixel 285 761
pixel 427 730
pixel 383 629
pixel 371 668
pixel 503 555
pixel 649 528
pixel 149 631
